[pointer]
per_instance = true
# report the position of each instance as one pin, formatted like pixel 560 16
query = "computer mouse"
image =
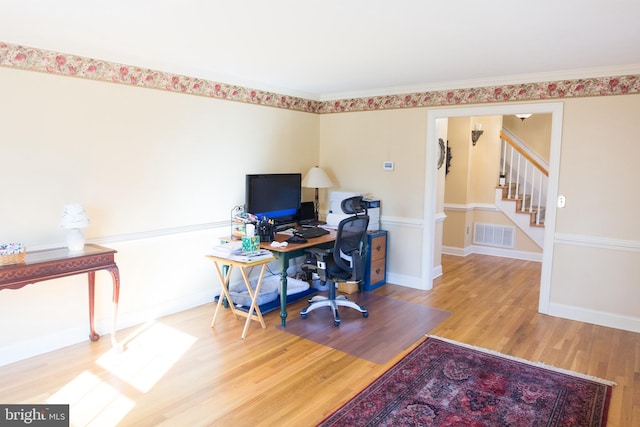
pixel 296 239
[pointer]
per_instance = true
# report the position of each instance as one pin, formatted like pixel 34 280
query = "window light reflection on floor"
pixel 92 401
pixel 150 351
pixel 148 356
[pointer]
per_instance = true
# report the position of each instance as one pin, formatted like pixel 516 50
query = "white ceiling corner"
pixel 336 49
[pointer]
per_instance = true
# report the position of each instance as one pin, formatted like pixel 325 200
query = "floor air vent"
pixel 493 235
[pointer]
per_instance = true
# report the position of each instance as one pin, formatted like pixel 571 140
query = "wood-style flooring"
pixel 177 371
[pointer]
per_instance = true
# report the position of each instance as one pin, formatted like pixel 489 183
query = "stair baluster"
pixel 510 175
pixel 539 201
pixel 524 183
pixel 523 205
pixel 518 176
pixel 533 177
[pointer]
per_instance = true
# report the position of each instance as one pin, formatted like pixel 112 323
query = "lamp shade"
pixel 317 178
pixel 74 216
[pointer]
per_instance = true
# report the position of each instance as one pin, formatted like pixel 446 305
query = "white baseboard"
pixel 437 271
pixel 486 250
pixel 402 280
pixel 595 317
pixel 451 250
pixel 43 344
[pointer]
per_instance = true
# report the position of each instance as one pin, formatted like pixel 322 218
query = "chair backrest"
pixel 354 205
pixel 351 243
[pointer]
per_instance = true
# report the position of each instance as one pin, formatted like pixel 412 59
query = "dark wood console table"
pixel 55 263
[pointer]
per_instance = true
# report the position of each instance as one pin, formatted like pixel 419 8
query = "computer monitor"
pixel 275 196
pixel 307 214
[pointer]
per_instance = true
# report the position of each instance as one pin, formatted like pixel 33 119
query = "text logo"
pixel 34 415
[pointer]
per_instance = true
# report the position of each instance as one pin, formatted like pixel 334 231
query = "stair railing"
pixel 534 177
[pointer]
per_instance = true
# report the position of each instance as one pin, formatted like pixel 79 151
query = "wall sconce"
pixel 74 218
pixel 475 134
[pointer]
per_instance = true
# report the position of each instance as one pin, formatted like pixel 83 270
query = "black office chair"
pixel 345 262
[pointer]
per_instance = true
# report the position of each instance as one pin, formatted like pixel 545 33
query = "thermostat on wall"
pixel 387 165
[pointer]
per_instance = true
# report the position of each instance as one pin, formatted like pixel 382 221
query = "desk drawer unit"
pixel 375 274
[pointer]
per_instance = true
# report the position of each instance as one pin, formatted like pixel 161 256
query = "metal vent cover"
pixel 493 235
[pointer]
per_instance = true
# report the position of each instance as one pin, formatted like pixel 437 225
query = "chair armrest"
pixel 321 265
pixel 318 253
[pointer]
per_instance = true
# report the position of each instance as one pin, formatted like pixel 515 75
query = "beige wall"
pixel 138 159
pixel 458 181
pixel 601 220
pixel 354 145
pixel 485 160
pixel 535 132
pixel 598 174
pixel 159 173
pixel 596 263
pixel 353 148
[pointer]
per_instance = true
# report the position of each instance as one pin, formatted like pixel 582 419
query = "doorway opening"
pixel 431 184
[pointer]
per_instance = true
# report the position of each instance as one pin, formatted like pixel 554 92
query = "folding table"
pixel 224 267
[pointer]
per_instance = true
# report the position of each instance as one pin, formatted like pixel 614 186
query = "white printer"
pixel 336 215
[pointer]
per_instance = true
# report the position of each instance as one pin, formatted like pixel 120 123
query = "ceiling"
pixel 334 49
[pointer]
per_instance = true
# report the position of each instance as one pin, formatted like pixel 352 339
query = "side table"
pixel 227 265
pixel 55 263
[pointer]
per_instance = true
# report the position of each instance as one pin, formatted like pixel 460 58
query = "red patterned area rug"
pixel 441 383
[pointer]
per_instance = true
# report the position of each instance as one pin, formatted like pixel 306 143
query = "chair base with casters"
pixel 333 302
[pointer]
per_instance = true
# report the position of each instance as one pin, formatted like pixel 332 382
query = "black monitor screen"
pixel 276 196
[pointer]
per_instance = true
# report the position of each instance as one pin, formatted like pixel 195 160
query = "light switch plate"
pixel 387 165
pixel 562 201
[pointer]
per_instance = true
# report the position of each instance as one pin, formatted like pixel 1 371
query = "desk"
pixel 283 255
pixel 293 250
pixel 228 264
pixel 55 263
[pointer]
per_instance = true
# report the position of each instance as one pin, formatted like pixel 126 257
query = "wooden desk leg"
pixel 115 277
pixel 284 264
pixel 225 273
pixel 224 282
pixel 93 335
pixel 254 296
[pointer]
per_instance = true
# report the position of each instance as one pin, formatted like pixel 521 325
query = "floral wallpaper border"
pixel 32 59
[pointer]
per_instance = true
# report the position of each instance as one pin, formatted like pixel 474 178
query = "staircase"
pixel 523 190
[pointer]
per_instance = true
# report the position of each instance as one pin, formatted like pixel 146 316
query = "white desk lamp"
pixel 74 218
pixel 317 178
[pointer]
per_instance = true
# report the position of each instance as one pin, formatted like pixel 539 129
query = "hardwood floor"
pixel 178 371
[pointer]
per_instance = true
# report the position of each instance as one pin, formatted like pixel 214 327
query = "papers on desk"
pixel 233 251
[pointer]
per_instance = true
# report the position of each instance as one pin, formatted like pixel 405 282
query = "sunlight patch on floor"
pixel 92 401
pixel 148 356
pixel 150 351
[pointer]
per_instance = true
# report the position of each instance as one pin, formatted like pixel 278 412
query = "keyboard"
pixel 310 232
